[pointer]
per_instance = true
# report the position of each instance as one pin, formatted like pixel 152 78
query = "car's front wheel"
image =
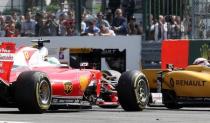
pixel 133 91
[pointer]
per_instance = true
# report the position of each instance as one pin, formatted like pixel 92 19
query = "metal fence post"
pixel 78 16
pixel 193 18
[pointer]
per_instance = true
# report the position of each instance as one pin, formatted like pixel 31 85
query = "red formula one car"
pixel 35 83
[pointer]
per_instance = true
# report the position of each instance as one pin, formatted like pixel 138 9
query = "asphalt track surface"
pixel 99 115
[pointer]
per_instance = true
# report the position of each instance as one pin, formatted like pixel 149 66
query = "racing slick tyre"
pixel 169 99
pixel 33 92
pixel 133 91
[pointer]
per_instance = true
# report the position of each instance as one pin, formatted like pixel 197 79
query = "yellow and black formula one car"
pixel 189 87
pixel 172 87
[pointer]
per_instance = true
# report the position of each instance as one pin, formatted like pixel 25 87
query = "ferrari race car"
pixel 189 87
pixel 34 83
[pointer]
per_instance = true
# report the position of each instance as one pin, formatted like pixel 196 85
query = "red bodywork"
pixel 66 83
pixel 7 51
pixel 58 76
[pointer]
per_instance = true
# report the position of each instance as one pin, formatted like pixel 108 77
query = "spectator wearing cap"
pixel 101 20
pixel 119 24
pixel 28 26
pixel 92 29
pixel 105 31
pixel 133 27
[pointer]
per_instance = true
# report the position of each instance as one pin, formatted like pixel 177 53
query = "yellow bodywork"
pixel 151 75
pixel 194 81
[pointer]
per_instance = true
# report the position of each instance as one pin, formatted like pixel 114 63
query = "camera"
pixel 168 19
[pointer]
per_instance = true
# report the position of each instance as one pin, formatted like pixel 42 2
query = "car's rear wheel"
pixel 133 91
pixel 33 92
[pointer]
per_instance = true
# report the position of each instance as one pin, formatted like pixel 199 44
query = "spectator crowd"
pixel 168 27
pixel 63 23
pixel 115 21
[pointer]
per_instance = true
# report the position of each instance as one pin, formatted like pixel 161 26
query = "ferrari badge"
pixel 68 87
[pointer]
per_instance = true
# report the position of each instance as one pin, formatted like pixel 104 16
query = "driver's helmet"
pixel 201 61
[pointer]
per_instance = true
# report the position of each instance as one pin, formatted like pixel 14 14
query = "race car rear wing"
pixel 7 50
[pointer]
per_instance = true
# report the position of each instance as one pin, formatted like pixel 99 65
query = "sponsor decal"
pixel 172 82
pixel 6 56
pixel 66 100
pixel 187 82
pixel 26 54
pixel 3 50
pixel 204 50
pixel 68 87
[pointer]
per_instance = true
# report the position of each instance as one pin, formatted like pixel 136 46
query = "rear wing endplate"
pixel 7 51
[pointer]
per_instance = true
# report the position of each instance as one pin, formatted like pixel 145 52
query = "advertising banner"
pixel 175 52
pixel 182 52
pixel 199 48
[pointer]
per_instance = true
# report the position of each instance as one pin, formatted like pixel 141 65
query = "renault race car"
pixel 34 83
pixel 176 87
pixel 179 88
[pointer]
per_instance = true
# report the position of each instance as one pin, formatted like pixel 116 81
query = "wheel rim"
pixel 44 92
pixel 141 91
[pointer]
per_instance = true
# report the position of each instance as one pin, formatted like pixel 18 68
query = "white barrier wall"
pixel 132 44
